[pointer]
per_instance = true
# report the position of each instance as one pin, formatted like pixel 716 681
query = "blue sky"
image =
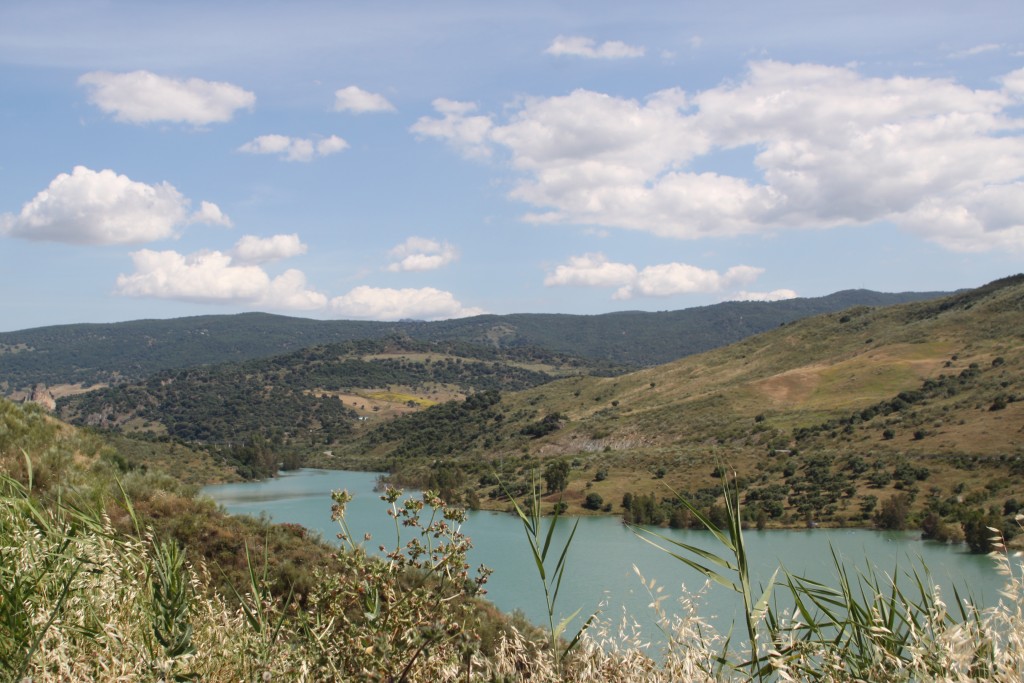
pixel 395 160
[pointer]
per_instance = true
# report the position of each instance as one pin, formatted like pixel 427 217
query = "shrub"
pixel 894 512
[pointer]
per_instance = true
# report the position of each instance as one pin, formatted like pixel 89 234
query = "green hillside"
pixel 88 354
pixel 261 413
pixel 825 420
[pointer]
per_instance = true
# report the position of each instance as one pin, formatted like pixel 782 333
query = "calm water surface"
pixel 604 552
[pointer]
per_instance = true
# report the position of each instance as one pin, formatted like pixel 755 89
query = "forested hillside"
pixel 260 413
pixel 909 415
pixel 88 354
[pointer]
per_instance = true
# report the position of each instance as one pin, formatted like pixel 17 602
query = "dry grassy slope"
pixel 819 366
pixel 740 403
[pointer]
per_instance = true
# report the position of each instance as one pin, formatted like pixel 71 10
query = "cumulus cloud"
pixel 774 295
pixel 459 126
pixel 330 145
pixel 591 270
pixel 252 249
pixel 580 46
pixel 1013 84
pixel 213 277
pixel 359 101
pixel 210 214
pixel 294 149
pixel 375 303
pixel 103 207
pixel 829 147
pixel 667 279
pixel 144 97
pixel 418 254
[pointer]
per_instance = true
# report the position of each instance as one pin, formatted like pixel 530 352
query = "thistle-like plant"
pixel 404 614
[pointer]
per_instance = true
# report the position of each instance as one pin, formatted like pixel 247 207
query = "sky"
pixel 433 160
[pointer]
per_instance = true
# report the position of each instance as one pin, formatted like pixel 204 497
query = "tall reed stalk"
pixel 540 544
pixel 863 626
pixel 731 570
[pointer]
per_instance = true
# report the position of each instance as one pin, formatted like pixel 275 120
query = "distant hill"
pixel 88 354
pixel 825 420
pixel 309 400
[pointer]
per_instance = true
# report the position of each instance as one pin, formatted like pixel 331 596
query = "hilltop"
pixel 832 419
pixel 73 357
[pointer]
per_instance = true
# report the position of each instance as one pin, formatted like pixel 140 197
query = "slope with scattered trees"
pixel 870 416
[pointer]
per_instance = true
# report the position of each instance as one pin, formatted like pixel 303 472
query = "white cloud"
pixel 580 46
pixel 210 214
pixel 591 270
pixel 418 254
pixel 829 146
pixel 374 303
pixel 144 97
pixel 359 101
pixel 102 207
pixel 330 145
pixel 667 279
pixel 1013 84
pixel 288 291
pixel 212 277
pixel 680 278
pixel 466 133
pixel 294 149
pixel 976 50
pixel 252 249
pixel 774 295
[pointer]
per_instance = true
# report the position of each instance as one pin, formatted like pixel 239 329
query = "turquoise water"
pixel 603 554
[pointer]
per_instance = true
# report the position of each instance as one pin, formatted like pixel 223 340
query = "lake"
pixel 604 552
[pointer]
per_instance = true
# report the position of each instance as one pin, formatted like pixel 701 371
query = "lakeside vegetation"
pixel 895 417
pixel 110 573
pixel 899 417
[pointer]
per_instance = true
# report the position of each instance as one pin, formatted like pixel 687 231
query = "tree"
pixel 594 501
pixel 893 514
pixel 556 475
pixel 978 530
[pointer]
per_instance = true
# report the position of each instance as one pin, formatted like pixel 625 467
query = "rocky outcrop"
pixel 43 397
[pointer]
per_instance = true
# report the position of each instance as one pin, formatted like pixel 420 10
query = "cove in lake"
pixel 604 552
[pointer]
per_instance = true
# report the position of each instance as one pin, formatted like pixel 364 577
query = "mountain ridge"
pixel 92 353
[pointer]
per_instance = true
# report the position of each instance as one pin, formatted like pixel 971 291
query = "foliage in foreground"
pixel 80 601
pixel 87 598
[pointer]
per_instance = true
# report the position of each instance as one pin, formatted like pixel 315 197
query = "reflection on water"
pixel 605 555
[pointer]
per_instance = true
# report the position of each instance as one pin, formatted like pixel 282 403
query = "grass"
pixel 396 397
pixel 82 601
